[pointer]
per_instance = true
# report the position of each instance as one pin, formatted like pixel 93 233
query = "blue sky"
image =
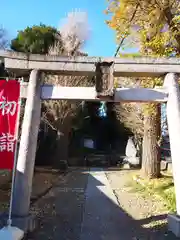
pixel 17 14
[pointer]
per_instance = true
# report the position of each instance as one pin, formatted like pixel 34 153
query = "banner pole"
pixel 9 221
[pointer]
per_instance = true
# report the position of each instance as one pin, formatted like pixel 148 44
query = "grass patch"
pixel 162 189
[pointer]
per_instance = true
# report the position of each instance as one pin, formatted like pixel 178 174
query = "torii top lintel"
pixel 135 66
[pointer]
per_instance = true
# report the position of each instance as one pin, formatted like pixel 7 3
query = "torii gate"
pixel 105 70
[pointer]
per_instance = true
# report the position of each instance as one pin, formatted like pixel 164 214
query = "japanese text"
pixel 7 142
pixel 7 107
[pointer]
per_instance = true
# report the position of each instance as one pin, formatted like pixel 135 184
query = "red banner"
pixel 9 109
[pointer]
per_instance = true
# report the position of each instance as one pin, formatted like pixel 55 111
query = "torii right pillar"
pixel 173 118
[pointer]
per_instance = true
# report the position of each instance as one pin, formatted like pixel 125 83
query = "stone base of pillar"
pixel 27 224
pixel 174 224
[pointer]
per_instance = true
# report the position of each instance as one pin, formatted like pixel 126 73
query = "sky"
pixel 18 14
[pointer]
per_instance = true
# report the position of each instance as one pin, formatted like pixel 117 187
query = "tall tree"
pixel 36 39
pixel 68 40
pixel 153 26
pixel 59 114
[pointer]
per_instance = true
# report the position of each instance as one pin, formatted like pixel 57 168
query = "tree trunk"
pixel 62 143
pixel 62 146
pixel 151 148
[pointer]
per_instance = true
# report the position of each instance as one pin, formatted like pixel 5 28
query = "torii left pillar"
pixel 26 157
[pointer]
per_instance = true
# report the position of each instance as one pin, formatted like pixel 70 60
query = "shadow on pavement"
pixel 83 208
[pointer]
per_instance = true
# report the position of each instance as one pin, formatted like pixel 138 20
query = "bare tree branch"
pixel 72 37
pixel 131 114
pixel 3 38
pixel 75 31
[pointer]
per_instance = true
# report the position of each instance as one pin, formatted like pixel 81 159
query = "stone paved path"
pixel 85 206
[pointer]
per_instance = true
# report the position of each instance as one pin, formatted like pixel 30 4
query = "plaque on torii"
pixel 104 80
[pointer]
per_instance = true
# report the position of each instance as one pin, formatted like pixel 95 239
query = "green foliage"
pixel 36 39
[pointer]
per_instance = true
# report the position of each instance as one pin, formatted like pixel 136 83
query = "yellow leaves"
pixel 112 24
pixel 106 11
pixel 152 25
pixel 149 109
pixel 155 36
pixel 176 19
pixel 160 43
pixel 158 81
pixel 118 13
pixel 116 83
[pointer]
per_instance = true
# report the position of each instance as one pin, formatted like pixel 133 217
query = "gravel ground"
pixel 97 206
